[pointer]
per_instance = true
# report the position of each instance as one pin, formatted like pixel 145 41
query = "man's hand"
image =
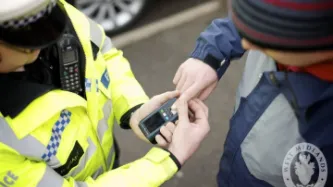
pixel 154 103
pixel 188 134
pixel 195 79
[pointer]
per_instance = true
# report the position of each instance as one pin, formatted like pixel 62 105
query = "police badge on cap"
pixel 32 24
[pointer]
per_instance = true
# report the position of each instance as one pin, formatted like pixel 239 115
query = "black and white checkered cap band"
pixel 24 21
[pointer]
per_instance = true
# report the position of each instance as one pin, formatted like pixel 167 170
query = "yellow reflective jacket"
pixel 61 139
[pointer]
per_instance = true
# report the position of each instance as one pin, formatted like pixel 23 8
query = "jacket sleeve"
pixel 18 171
pixel 126 92
pixel 218 45
pixel 152 170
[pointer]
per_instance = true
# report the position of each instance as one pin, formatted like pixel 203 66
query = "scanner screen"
pixel 154 122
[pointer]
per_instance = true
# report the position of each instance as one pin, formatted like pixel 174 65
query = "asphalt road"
pixel 155 61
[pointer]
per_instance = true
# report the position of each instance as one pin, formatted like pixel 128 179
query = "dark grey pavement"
pixel 155 61
pixel 159 9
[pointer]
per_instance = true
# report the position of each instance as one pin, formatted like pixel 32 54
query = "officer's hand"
pixel 154 103
pixel 166 132
pixel 195 79
pixel 189 134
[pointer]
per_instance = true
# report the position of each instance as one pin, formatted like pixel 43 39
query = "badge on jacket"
pixel 305 166
pixel 105 79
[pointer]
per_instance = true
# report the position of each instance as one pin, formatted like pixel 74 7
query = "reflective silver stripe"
pixel 103 123
pixel 81 184
pixel 107 46
pixel 266 163
pixel 85 158
pixel 51 178
pixel 54 162
pixel 96 34
pixel 110 157
pixel 97 173
pixel 28 146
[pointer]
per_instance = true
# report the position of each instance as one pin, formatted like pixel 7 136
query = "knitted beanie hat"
pixel 296 25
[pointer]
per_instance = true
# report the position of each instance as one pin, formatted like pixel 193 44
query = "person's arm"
pixel 150 171
pixel 219 42
pixel 156 167
pixel 125 91
pixel 198 76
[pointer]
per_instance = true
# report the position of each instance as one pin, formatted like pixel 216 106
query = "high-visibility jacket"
pixel 61 139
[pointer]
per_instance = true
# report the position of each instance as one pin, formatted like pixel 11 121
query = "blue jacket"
pixel 281 133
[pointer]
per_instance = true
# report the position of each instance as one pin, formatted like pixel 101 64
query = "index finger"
pixel 203 106
pixel 182 108
pixel 199 112
pixel 162 98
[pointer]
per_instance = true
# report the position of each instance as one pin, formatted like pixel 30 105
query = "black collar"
pixel 16 94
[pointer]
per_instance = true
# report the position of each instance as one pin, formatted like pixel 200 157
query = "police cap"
pixel 31 24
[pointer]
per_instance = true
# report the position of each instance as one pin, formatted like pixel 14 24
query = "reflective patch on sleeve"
pixel 103 127
pixel 28 146
pixel 57 130
pixel 105 79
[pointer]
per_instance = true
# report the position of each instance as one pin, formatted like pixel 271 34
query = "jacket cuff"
pixel 210 57
pixel 174 158
pixel 125 119
pixel 165 159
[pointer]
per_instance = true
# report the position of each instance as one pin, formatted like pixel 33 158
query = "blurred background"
pixel 156 37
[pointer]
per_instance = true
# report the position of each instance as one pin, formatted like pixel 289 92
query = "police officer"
pixel 63 85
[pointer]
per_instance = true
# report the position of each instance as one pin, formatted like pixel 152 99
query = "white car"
pixel 115 16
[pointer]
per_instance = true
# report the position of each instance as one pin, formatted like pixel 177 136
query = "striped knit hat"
pixel 297 25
